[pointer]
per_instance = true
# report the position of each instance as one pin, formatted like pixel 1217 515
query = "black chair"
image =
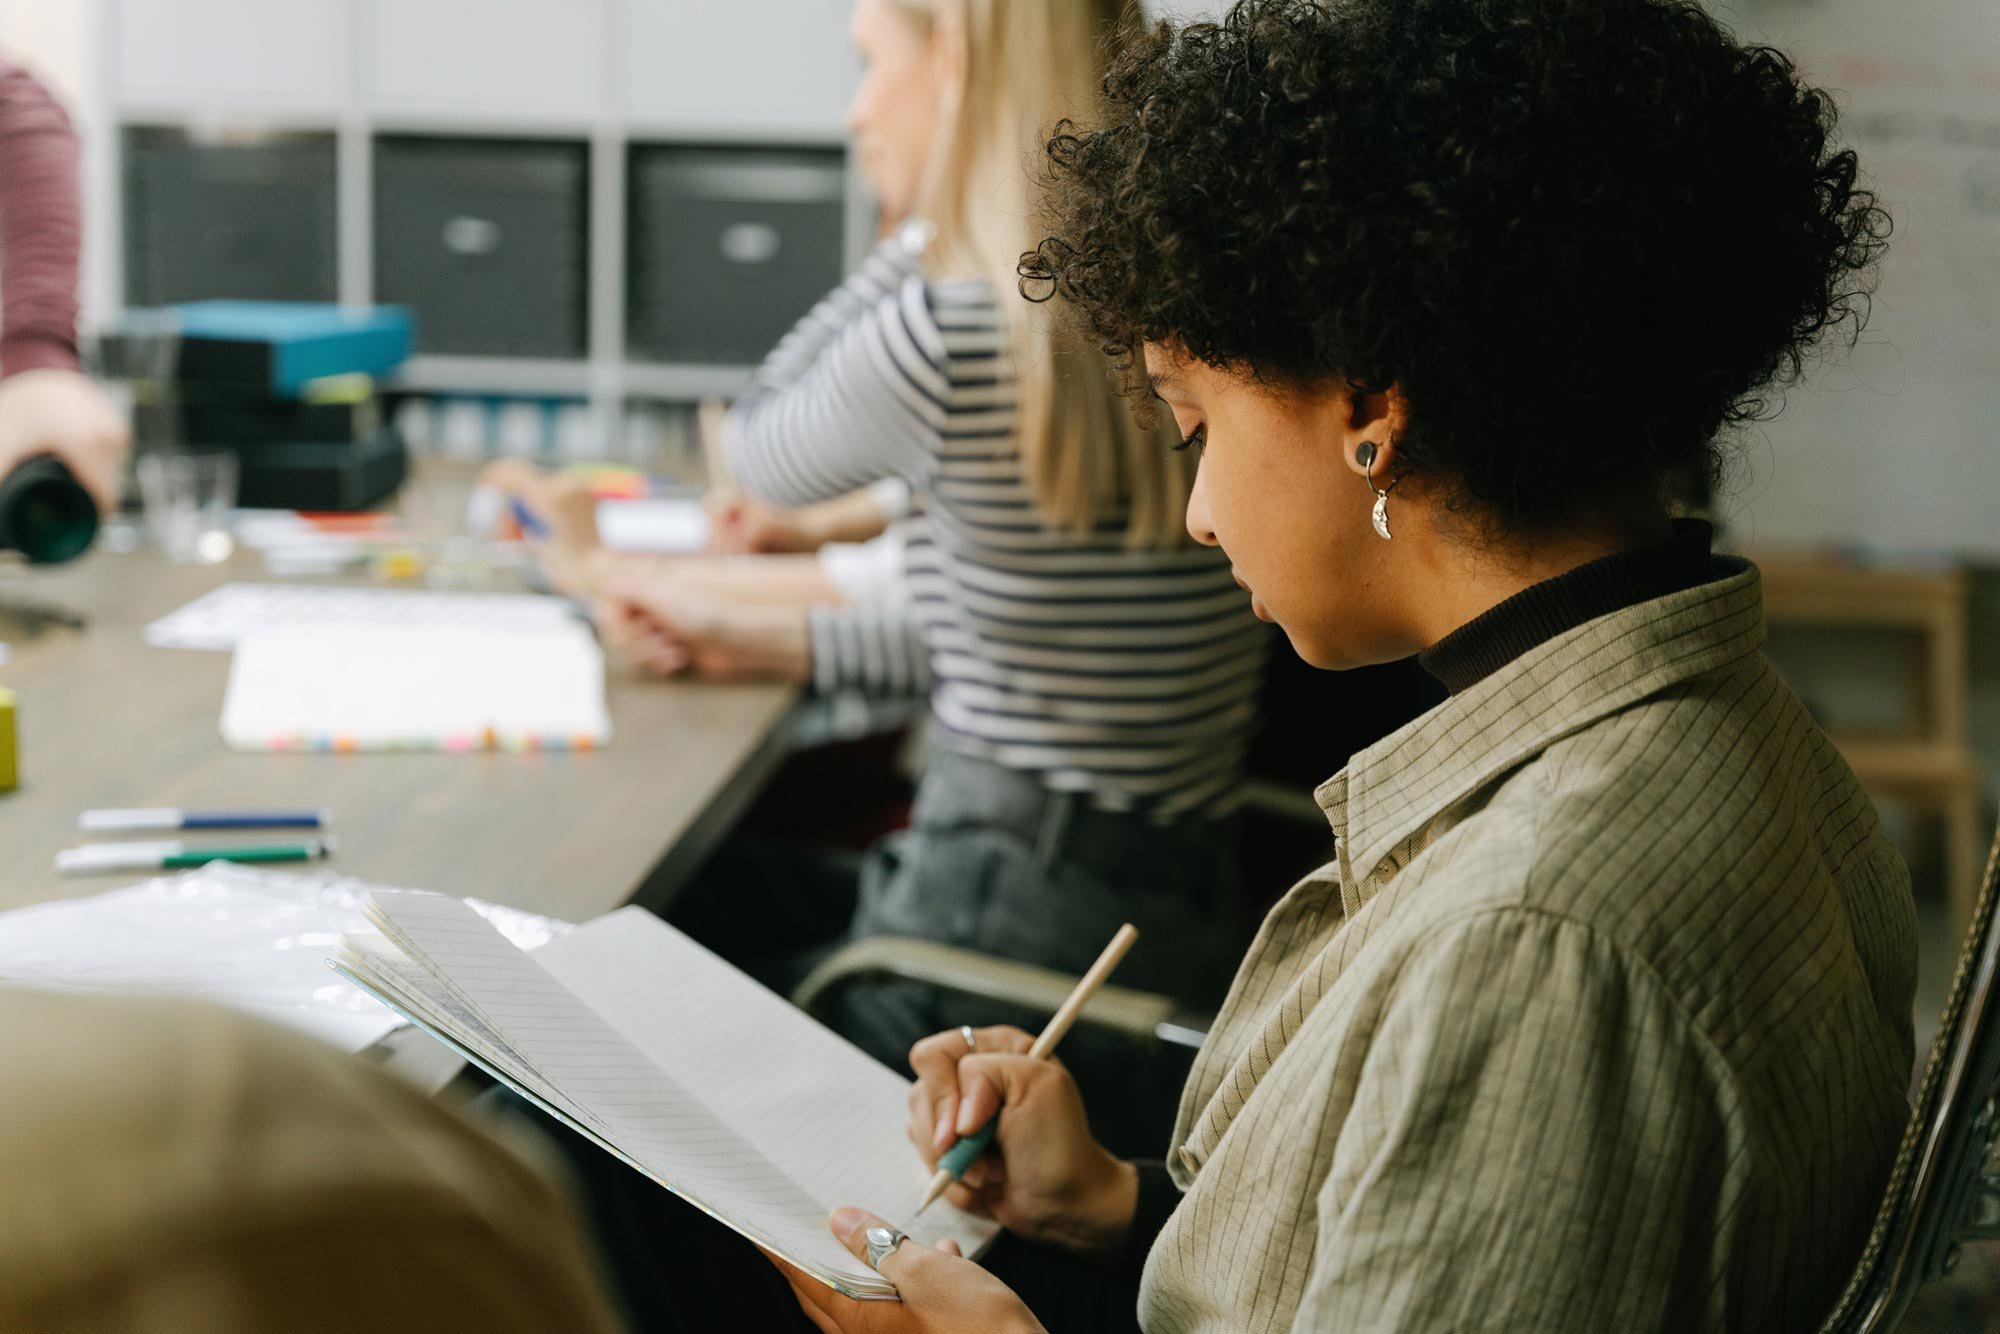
pixel 1944 1189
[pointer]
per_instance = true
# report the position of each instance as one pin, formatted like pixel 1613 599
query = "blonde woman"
pixel 1092 672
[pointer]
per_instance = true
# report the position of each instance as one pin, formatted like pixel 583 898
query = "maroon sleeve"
pixel 41 227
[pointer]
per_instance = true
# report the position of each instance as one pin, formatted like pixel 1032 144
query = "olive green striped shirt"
pixel 1600 1019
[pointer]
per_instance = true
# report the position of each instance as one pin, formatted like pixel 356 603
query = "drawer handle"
pixel 751 243
pixel 472 236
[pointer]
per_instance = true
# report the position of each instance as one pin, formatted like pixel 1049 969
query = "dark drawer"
pixel 488 240
pixel 728 247
pixel 251 221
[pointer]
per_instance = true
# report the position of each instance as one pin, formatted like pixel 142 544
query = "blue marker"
pixel 174 817
pixel 531 522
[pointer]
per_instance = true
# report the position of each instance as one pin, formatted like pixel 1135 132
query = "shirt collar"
pixel 1394 788
pixel 1485 644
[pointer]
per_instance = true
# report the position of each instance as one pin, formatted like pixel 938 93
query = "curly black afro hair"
pixel 1581 236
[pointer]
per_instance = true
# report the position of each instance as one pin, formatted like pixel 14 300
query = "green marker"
pixel 98 858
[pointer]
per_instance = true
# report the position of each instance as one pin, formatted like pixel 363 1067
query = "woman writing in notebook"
pixel 1599 1019
pixel 1093 673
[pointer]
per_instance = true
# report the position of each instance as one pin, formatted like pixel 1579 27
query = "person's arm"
pixel 1155 1200
pixel 875 650
pixel 744 525
pixel 1536 1143
pixel 47 405
pixel 669 626
pixel 668 629
pixel 854 394
pixel 41 228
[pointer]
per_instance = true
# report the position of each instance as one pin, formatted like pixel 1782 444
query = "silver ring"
pixel 882 1243
pixel 965 1031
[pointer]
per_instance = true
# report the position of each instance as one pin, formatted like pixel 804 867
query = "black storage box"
pixel 729 247
pixel 487 240
pixel 250 221
pixel 322 475
pixel 212 417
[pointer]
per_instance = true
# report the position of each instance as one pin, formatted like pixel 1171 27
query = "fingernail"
pixel 966 1123
pixel 946 1119
pixel 846 1222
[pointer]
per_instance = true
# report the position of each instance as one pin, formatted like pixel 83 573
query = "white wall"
pixel 1896 445
pixel 49 37
pixel 56 39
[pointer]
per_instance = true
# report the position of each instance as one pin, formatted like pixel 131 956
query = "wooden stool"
pixel 1933 769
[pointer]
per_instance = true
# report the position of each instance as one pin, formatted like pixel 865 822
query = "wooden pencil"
pixel 954 1161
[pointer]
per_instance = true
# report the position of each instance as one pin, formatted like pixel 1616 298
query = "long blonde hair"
pixel 1027 64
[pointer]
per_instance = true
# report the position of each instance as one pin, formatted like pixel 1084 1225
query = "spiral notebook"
pixel 673 1061
pixel 402 687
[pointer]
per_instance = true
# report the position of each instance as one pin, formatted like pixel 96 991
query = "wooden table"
pixel 106 720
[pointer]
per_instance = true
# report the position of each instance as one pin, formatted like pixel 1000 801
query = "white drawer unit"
pixel 755 68
pixel 291 57
pixel 501 60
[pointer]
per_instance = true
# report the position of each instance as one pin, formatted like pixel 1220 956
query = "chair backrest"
pixel 1942 1190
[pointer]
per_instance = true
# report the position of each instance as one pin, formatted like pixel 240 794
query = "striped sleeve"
pixel 877 650
pixel 855 393
pixel 41 227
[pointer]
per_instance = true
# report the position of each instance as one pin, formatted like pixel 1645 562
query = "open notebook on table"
pixel 667 1057
pixel 416 687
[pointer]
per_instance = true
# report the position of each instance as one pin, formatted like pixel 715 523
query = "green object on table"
pixel 276 852
pixel 960 1155
pixel 10 775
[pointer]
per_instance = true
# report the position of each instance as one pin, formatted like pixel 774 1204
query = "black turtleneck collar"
pixel 1538 614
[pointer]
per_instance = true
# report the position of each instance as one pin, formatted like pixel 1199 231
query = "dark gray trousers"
pixel 994 861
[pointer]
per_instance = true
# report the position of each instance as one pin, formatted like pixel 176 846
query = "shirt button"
pixel 1188 1159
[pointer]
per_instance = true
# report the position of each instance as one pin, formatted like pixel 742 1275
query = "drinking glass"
pixel 187 499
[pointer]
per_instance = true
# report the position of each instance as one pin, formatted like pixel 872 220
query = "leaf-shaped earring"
pixel 1364 454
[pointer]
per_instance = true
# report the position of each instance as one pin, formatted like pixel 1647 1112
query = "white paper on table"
pixel 665 526
pixel 219 618
pixel 417 687
pixel 253 940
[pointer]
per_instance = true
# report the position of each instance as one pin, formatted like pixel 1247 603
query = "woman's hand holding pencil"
pixel 1003 1126
pixel 1039 1173
pixel 1045 1177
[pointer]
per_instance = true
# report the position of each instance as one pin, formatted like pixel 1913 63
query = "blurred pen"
pixel 145 819
pixel 177 856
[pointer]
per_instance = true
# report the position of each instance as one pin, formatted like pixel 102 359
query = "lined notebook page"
pixel 661 1126
pixel 825 1112
pixel 414 991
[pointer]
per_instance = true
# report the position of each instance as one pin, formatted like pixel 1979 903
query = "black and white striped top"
pixel 1129 675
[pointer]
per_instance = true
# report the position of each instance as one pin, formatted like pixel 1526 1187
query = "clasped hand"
pixel 1045 1179
pixel 669 629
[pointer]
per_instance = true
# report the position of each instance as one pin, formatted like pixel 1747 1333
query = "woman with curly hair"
pixel 1599 1018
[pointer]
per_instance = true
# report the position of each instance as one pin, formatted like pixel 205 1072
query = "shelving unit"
pixel 609 76
pixel 1931 768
